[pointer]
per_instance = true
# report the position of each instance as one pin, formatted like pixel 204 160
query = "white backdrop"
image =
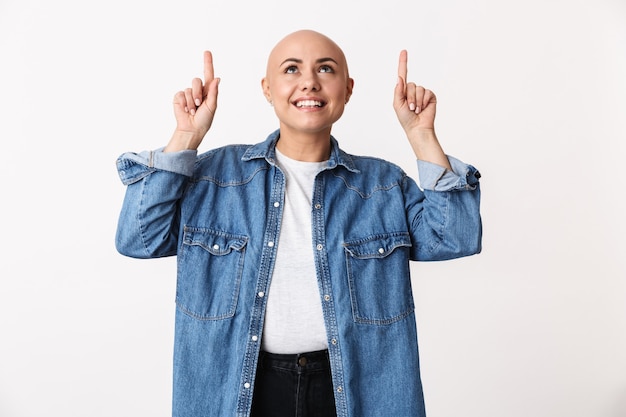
pixel 531 92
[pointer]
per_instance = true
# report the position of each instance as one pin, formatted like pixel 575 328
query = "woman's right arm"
pixel 149 221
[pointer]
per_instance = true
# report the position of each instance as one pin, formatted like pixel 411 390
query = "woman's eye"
pixel 292 69
pixel 326 68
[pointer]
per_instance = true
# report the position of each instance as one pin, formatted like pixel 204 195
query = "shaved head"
pixel 308 85
pixel 292 45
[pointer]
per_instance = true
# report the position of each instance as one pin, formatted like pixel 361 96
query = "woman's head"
pixel 308 83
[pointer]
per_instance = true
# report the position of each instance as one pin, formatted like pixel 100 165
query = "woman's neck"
pixel 305 147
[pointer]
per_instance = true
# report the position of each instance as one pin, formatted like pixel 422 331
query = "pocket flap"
pixel 216 242
pixel 378 246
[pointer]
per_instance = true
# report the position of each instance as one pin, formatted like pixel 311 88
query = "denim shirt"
pixel 220 214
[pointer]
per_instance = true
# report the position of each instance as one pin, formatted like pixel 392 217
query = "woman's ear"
pixel 265 85
pixel 349 88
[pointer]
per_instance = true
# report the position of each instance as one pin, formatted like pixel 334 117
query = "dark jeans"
pixel 293 386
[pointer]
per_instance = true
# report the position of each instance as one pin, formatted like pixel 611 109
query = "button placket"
pixel 330 315
pixel 256 324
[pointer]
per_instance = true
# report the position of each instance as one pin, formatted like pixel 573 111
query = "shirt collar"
pixel 267 150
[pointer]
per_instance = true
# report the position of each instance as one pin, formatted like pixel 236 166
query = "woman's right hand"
pixel 194 109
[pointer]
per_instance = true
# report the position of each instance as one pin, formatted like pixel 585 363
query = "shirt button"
pixel 261 294
pixel 333 341
pixel 270 244
pixel 339 389
pixel 216 247
pixel 327 297
pixel 246 385
pixel 381 250
pixel 320 246
pixel 318 206
pixel 255 338
pixel 276 204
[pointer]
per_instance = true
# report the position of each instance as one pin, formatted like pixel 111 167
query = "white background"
pixel 531 92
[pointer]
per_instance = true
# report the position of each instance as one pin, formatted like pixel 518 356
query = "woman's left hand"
pixel 414 105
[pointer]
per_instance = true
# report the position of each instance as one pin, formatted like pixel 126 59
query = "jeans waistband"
pixel 311 361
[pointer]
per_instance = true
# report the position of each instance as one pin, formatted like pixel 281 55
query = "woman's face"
pixel 307 82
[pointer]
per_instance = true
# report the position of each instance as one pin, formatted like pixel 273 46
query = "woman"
pixel 293 291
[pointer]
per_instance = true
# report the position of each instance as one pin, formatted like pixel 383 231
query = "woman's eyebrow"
pixel 318 61
pixel 296 60
pixel 321 60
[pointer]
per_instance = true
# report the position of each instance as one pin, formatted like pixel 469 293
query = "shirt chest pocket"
pixel 210 270
pixel 379 278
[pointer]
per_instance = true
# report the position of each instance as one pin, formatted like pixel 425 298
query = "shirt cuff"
pixel 437 178
pixel 181 162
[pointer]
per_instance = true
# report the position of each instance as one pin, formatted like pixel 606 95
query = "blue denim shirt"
pixel 220 213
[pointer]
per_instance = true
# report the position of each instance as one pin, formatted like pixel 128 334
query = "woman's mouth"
pixel 309 103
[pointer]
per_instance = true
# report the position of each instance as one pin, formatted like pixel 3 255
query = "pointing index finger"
pixel 402 65
pixel 208 67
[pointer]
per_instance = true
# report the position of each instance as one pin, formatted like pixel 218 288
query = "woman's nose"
pixel 310 82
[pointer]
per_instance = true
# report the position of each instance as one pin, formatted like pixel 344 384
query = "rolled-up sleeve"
pixel 131 166
pixel 437 178
pixel 148 222
pixel 446 223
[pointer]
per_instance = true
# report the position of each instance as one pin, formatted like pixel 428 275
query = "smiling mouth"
pixel 309 104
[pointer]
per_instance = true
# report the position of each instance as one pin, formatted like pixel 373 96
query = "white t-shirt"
pixel 294 322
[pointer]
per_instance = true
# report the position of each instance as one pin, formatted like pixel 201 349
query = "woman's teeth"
pixel 309 103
